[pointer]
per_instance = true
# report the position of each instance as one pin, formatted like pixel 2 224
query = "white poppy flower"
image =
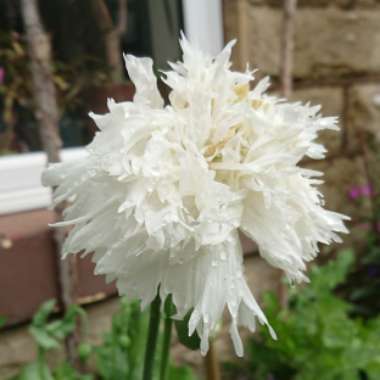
pixel 164 190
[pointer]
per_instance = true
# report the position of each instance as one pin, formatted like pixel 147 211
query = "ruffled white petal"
pixel 140 71
pixel 208 284
pixel 162 193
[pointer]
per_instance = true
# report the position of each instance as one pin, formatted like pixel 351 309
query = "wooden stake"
pixel 121 26
pixel 212 363
pixel 47 115
pixel 111 34
pixel 286 74
pixel 287 47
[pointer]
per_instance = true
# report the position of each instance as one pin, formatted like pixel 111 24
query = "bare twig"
pixel 46 110
pixel 369 175
pixel 287 46
pixel 111 36
pixel 47 115
pixel 286 67
pixel 122 17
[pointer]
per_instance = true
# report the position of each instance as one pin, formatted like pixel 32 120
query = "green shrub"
pixel 120 355
pixel 317 338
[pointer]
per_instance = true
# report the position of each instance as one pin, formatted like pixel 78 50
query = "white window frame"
pixel 20 184
pixel 204 24
pixel 20 180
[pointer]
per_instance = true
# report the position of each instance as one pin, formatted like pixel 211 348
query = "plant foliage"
pixel 120 355
pixel 317 338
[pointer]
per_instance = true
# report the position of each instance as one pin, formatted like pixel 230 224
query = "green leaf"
pixel 373 371
pixel 192 342
pixel 121 355
pixel 66 372
pixel 329 276
pixel 48 335
pixel 2 321
pixel 169 308
pixel 318 336
pixel 43 339
pixel 36 371
pixel 84 351
pixel 181 373
pixel 43 313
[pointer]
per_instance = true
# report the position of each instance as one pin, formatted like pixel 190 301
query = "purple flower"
pixel 2 75
pixel 360 191
pixel 354 192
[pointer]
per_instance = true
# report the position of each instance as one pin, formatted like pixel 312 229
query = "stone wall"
pixel 337 65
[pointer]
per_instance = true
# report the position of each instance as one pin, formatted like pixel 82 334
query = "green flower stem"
pixel 167 338
pixel 151 344
pixel 40 363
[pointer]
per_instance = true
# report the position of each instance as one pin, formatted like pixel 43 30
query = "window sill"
pixel 20 185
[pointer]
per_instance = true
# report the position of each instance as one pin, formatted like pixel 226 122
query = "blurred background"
pixel 60 59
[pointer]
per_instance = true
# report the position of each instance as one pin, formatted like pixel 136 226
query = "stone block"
pixel 329 42
pixel 331 100
pixel 344 4
pixel 99 320
pixel 237 26
pixel 364 110
pixel 16 349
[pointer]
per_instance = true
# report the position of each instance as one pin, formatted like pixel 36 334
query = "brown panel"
pixel 28 269
pixel 91 288
pixel 96 98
